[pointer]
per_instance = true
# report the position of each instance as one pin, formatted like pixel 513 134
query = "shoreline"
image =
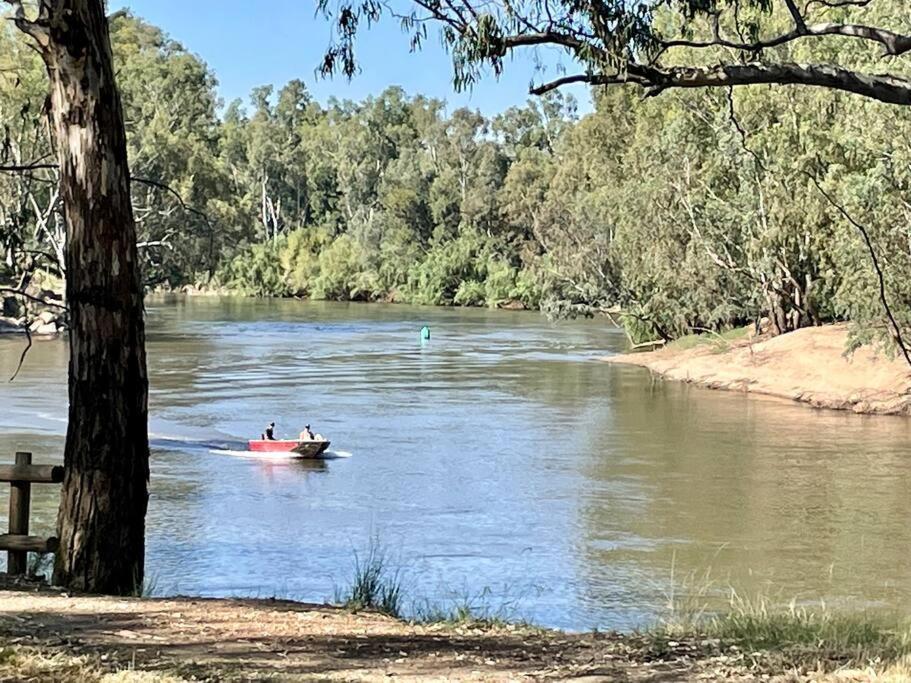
pixel 46 634
pixel 49 322
pixel 192 291
pixel 807 366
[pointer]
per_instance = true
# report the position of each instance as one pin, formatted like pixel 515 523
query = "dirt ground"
pixel 48 636
pixel 216 640
pixel 808 365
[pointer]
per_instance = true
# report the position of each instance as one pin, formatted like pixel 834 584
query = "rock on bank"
pixel 808 365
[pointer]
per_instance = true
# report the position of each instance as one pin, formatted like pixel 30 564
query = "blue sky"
pixel 254 43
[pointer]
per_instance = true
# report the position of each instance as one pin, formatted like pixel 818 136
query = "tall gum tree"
pixel 105 493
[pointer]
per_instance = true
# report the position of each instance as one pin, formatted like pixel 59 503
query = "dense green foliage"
pixel 384 199
pixel 670 214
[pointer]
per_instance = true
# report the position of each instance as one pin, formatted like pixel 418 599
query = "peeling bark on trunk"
pixel 105 492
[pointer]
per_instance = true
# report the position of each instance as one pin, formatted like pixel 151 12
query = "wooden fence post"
pixel 19 503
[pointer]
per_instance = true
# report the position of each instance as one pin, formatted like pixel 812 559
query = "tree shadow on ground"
pixel 224 639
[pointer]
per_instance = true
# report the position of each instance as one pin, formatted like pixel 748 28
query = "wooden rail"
pixel 35 474
pixel 17 542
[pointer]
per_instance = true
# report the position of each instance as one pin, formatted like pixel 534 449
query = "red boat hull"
pixel 299 449
pixel 271 446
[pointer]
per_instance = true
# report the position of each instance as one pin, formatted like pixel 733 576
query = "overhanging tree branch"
pixel 30 297
pixel 584 78
pixel 885 88
pixel 618 41
pixel 24 168
pixel 894 44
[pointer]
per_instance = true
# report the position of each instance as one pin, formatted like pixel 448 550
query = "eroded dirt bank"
pixel 808 365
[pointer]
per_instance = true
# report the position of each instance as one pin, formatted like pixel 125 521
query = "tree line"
pixel 735 213
pixel 742 209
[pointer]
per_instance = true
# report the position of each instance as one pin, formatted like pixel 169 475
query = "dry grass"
pixel 163 640
pixel 799 642
pixel 30 664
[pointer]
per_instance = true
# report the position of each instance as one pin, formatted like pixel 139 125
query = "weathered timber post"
pixel 19 504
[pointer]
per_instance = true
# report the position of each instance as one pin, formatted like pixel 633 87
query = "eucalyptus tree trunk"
pixel 105 493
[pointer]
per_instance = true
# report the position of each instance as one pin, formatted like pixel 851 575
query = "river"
pixel 501 464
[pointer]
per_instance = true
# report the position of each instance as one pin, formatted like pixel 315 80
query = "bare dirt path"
pixel 195 639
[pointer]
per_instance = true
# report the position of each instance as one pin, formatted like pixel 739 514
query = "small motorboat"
pixel 299 449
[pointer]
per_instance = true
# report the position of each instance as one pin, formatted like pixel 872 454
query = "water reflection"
pixel 799 504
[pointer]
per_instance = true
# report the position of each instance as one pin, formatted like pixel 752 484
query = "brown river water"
pixel 500 464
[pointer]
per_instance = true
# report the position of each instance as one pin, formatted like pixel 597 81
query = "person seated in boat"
pixel 270 432
pixel 307 435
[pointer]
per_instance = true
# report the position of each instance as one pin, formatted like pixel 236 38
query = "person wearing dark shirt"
pixel 270 432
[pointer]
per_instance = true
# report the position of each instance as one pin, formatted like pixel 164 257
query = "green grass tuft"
pixel 794 634
pixel 857 637
pixel 475 611
pixel 375 584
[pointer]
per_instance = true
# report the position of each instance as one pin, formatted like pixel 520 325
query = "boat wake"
pixel 278 456
pixel 159 441
pixel 253 455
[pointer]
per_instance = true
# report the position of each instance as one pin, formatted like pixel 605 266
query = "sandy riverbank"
pixel 808 365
